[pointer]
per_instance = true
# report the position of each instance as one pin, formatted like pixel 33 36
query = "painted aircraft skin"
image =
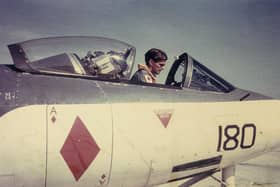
pixel 72 129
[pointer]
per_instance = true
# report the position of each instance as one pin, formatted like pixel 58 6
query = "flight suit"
pixel 143 75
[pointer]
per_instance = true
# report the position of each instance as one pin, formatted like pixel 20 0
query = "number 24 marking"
pixel 229 137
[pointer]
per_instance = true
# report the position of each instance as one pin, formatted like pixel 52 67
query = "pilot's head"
pixel 155 60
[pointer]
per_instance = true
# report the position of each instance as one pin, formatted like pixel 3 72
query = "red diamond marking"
pixel 164 116
pixel 103 176
pixel 79 149
pixel 53 119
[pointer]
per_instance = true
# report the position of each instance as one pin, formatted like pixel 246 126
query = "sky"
pixel 239 40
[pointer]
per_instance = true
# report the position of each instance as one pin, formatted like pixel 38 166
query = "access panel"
pixel 79 145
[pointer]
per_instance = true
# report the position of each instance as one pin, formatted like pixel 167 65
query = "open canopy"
pixel 86 56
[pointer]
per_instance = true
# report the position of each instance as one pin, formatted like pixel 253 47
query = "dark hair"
pixel 156 55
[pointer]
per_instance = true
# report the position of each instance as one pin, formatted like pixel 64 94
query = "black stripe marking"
pixel 244 97
pixel 210 172
pixel 198 164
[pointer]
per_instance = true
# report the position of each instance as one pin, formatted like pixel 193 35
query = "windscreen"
pixel 205 80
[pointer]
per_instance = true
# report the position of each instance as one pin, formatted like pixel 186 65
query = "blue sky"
pixel 240 39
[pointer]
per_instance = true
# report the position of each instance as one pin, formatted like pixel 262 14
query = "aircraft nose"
pixel 269 123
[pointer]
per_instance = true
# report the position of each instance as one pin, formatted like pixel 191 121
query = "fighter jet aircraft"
pixel 70 116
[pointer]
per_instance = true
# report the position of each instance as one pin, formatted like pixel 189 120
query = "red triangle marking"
pixel 164 116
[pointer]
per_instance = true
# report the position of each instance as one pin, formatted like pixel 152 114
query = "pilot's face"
pixel 157 67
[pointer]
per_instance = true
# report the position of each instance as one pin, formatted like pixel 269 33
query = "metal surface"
pixel 19 89
pixel 92 132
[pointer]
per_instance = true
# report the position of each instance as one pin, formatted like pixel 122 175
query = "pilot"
pixel 155 61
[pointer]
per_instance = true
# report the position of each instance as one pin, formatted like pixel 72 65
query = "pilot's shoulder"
pixel 141 76
pixel 140 73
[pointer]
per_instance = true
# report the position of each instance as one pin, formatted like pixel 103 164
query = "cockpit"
pixel 106 59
